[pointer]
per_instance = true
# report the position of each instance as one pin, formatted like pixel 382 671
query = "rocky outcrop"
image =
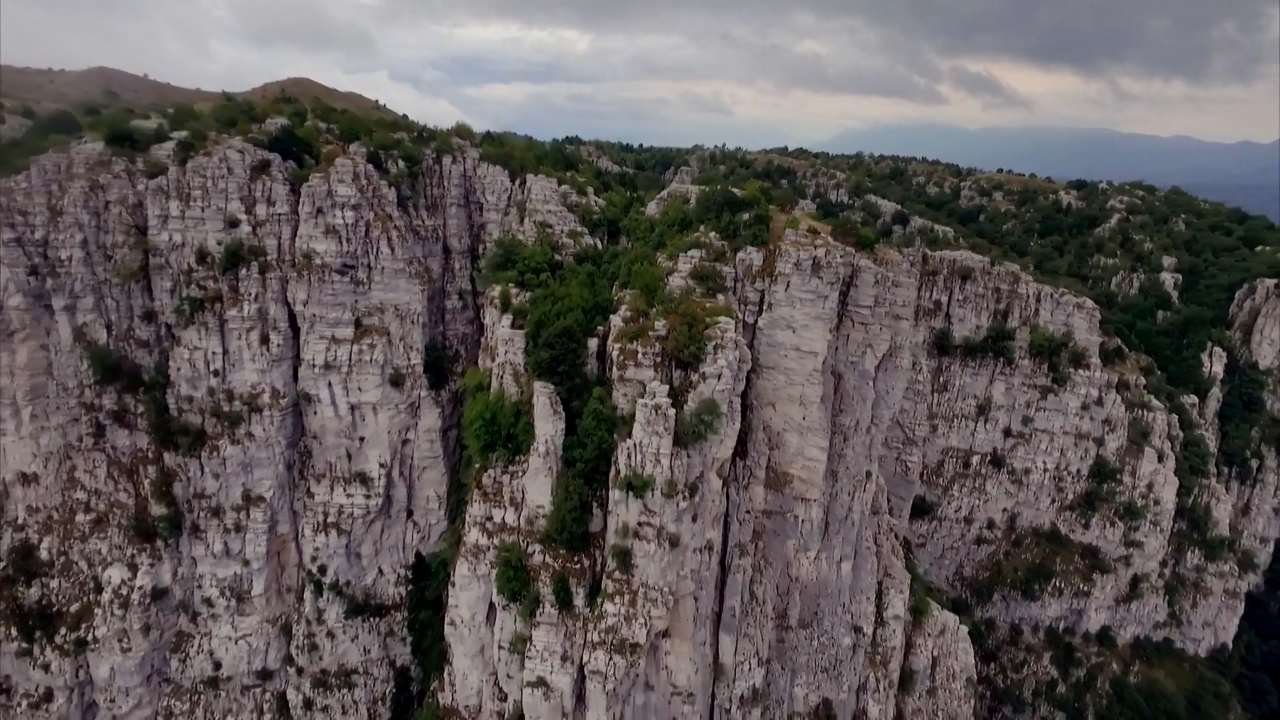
pixel 215 427
pixel 938 672
pixel 669 195
pixel 224 440
pixel 915 225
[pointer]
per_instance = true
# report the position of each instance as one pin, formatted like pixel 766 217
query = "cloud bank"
pixel 743 72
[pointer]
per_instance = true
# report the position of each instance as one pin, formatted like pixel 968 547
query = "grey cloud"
pixel 679 120
pixel 1190 40
pixel 714 57
pixel 986 87
pixel 708 103
pixel 301 25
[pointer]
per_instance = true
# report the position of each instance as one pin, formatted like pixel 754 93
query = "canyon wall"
pixel 219 452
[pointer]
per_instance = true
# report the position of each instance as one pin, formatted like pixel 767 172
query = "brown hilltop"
pixel 48 89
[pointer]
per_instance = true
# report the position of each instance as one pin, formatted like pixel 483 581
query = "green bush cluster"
pixel 588 453
pixel 1058 351
pixel 511 573
pixel 1243 414
pixel 693 425
pixel 1104 478
pixel 562 591
pixel 1195 528
pixel 112 369
pixel 996 343
pixel 739 219
pixel 623 559
pixel 237 254
pixel 511 262
pixel 709 278
pixel 686 342
pixel 495 428
pixel 1033 560
pixel 636 484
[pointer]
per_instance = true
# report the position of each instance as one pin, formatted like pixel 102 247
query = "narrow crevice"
pixel 294 449
pixel 738 457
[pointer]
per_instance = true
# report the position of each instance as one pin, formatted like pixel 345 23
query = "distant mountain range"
pixel 1246 174
pixel 47 89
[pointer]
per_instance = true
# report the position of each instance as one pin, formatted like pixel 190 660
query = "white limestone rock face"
pixel 1256 315
pixel 545 211
pixel 915 225
pixel 291 328
pixel 680 176
pixel 941 668
pixel 488 639
pixel 501 658
pixel 669 195
pixel 815 585
pixel 502 347
pixel 768 562
pixel 651 646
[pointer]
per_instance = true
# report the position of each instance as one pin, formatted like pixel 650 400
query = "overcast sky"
pixel 750 72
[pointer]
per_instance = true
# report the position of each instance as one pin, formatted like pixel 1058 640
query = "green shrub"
pixel 396 379
pixel 125 137
pixel 236 254
pixel 115 370
pixel 153 169
pixel 709 278
pixel 1243 410
pixel 190 307
pixel 1112 353
pixel 670 489
pixel 906 680
pixel 997 343
pixel 531 604
pixel 587 456
pixel 511 573
pixel 558 355
pixel 1034 559
pixel 637 484
pixel 738 219
pixel 694 426
pixel 1058 351
pixel 686 342
pixel 944 342
pixel 1104 477
pixel 511 262
pixel 58 122
pixel 920 605
pixel 562 591
pixel 921 507
pixel 1139 433
pixel 494 427
pixel 183 151
pixel 23 563
pixel 622 558
pixel 299 177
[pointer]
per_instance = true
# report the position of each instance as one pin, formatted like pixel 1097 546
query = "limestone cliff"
pixel 229 422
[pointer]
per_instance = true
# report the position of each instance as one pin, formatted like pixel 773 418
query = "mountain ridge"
pixel 1244 173
pixel 56 88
